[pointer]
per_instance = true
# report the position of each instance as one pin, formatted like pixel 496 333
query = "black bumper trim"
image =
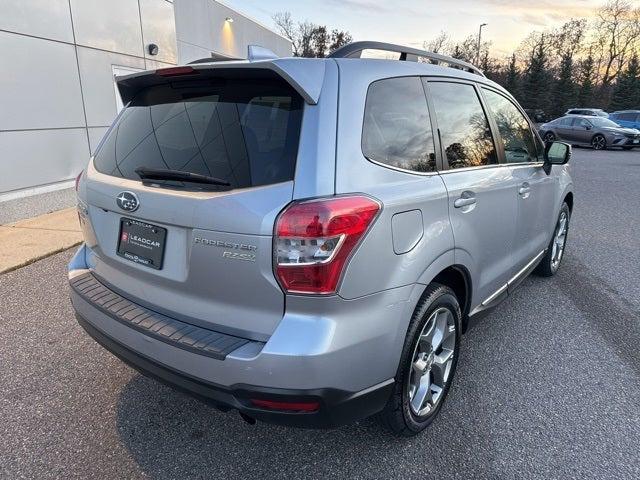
pixel 169 330
pixel 337 407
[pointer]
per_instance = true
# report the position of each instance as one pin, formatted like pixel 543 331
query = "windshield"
pixel 603 122
pixel 241 132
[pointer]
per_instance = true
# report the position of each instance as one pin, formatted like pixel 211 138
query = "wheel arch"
pixel 568 199
pixel 455 276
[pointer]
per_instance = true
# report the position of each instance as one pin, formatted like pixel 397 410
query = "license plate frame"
pixel 142 243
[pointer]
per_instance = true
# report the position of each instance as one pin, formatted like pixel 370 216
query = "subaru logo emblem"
pixel 128 201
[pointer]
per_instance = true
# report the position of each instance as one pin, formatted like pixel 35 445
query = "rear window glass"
pixel 243 132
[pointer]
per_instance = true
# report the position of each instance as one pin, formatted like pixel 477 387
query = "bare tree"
pixel 307 38
pixel 339 38
pixel 288 29
pixel 306 32
pixel 440 44
pixel 617 36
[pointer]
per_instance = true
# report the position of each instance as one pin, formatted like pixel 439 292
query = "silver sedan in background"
pixel 600 133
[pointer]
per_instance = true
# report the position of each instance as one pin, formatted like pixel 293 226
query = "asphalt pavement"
pixel 548 384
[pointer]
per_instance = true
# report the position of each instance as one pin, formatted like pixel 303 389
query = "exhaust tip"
pixel 247 418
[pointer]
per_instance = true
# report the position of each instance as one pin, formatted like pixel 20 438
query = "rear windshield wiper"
pixel 177 175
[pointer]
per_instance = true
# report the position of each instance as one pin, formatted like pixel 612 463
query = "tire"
pixel 549 137
pixel 437 305
pixel 549 265
pixel 598 142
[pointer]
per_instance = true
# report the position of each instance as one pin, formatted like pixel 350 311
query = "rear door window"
pixel 243 132
pixel 464 128
pixel 397 129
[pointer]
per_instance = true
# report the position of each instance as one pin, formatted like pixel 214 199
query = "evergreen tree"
pixel 586 90
pixel 564 91
pixel 626 94
pixel 512 78
pixel 537 79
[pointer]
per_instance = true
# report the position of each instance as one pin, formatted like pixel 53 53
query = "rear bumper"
pixel 336 407
pixel 304 360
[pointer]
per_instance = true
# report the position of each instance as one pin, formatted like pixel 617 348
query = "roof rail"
pixel 354 50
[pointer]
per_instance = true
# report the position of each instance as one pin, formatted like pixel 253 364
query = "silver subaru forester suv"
pixel 306 240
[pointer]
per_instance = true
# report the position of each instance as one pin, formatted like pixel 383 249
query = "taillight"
pixel 78 179
pixel 314 240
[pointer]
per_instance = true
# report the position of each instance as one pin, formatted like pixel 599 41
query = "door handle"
pixel 466 198
pixel 524 190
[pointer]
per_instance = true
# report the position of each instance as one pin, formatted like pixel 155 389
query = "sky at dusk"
pixel 412 22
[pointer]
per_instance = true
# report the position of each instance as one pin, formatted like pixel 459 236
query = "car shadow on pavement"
pixel 171 435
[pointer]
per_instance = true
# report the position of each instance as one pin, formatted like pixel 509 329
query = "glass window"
pixel 242 131
pixel 566 121
pixel 464 129
pixel 627 117
pixel 517 139
pixel 397 128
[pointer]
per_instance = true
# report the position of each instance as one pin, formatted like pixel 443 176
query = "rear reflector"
pixel 314 240
pixel 286 406
pixel 175 71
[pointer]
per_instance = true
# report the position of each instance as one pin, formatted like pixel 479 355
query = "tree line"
pixel 583 63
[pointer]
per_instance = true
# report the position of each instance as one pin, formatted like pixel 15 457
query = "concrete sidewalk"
pixel 26 241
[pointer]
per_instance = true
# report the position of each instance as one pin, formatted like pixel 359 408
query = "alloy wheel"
pixel 549 137
pixel 559 240
pixel 598 142
pixel 430 368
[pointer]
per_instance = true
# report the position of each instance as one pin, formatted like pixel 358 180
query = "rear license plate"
pixel 636 141
pixel 142 242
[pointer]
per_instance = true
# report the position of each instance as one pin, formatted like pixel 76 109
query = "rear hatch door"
pixel 196 251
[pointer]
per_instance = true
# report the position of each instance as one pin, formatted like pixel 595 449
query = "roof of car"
pixel 306 75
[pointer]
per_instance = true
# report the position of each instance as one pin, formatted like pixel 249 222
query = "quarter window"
pixel 517 139
pixel 397 128
pixel 464 129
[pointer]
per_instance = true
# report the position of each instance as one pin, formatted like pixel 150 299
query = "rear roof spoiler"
pixel 304 75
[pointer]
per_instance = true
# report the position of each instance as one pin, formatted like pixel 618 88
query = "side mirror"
pixel 587 127
pixel 556 153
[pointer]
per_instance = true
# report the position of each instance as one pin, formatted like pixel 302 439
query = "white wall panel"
pixel 95 135
pixel 233 38
pixel 217 35
pixel 188 28
pixel 39 85
pixel 188 52
pixel 153 65
pixel 97 83
pixel 158 26
pixel 40 18
pixel 112 25
pixel 39 157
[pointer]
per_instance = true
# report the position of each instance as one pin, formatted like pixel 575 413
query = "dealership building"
pixel 58 60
